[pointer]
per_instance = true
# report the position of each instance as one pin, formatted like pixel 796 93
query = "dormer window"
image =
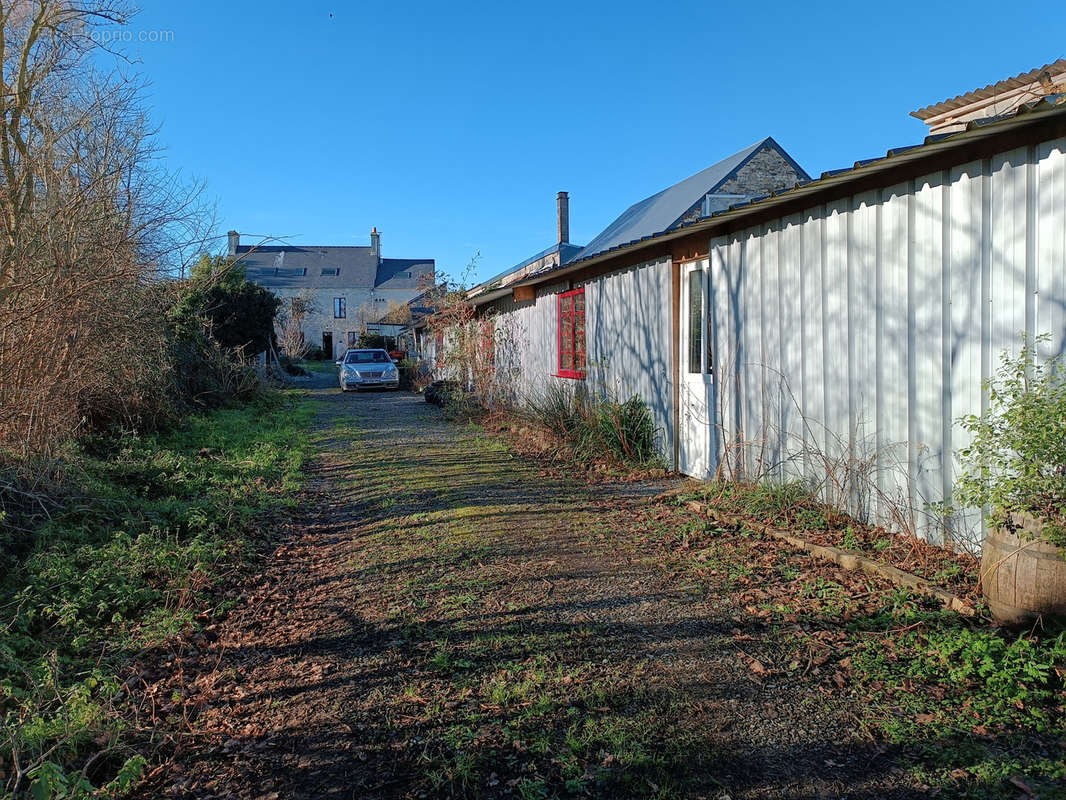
pixel 331 271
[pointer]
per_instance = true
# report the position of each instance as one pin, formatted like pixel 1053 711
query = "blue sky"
pixel 451 126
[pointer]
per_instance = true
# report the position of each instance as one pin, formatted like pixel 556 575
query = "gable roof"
pixel 328 267
pixel 667 208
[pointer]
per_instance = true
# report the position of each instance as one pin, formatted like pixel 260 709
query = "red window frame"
pixel 571 352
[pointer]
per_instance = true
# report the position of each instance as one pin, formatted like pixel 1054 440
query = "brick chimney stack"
pixel 563 201
pixel 234 242
pixel 375 243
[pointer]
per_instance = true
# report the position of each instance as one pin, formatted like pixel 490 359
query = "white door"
pixel 697 450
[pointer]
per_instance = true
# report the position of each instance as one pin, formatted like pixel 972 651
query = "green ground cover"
pixel 149 526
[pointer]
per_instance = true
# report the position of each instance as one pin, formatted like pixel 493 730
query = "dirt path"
pixel 452 622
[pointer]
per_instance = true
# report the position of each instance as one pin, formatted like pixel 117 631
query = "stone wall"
pixel 767 171
pixel 361 307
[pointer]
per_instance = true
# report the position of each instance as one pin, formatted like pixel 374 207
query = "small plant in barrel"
pixel 1015 470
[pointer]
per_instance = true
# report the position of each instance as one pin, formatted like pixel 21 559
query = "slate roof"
pixel 668 208
pixel 292 267
pixel 404 273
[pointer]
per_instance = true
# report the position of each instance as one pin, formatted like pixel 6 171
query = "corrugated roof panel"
pixel 990 91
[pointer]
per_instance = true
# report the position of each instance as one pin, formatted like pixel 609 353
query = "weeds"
pixel 966 695
pixel 623 432
pixel 149 525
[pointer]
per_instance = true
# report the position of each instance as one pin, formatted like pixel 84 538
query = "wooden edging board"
pixel 847 559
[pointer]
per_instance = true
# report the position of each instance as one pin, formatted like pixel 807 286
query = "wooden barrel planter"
pixel 1023 578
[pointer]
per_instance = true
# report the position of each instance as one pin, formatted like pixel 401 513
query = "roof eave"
pixel 1026 116
pixel 482 298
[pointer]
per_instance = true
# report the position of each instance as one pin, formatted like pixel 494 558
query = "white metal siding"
pixel 877 317
pixel 627 323
pixel 628 341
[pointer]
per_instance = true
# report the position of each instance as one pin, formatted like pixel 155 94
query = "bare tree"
pixel 290 322
pixel 88 221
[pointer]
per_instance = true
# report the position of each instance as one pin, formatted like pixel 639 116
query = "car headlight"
pixel 390 369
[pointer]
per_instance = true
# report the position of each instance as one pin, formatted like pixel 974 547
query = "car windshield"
pixel 367 357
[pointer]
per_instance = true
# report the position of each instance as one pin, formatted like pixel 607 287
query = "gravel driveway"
pixel 451 620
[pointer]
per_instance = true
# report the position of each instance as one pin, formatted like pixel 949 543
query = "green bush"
pixel 1017 460
pixel 372 340
pixel 623 432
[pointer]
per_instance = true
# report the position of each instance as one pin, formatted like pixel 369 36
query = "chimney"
pixel 234 242
pixel 564 217
pixel 375 243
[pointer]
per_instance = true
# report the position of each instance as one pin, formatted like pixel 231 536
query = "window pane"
pixel 695 321
pixel 572 332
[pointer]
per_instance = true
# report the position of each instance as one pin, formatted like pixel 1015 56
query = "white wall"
pixel 859 331
pixel 627 323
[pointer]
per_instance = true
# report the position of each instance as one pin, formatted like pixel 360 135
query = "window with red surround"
pixel 572 334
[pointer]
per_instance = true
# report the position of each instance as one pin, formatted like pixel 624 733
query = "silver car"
pixel 362 369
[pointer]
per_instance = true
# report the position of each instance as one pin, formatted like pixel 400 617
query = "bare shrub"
pixel 290 333
pixel 471 346
pixel 87 225
pixel 853 473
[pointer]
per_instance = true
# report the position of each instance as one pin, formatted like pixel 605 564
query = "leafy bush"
pixel 597 427
pixel 1017 460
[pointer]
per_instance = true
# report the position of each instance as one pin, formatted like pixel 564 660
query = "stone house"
pixel 349 287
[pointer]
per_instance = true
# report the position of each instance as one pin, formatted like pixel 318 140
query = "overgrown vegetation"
pixel 472 350
pixel 1015 463
pixel 148 527
pixel 593 427
pixel 121 504
pixel 89 222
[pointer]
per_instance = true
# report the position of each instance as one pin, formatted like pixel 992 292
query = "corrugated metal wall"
pixel 627 322
pixel 854 335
